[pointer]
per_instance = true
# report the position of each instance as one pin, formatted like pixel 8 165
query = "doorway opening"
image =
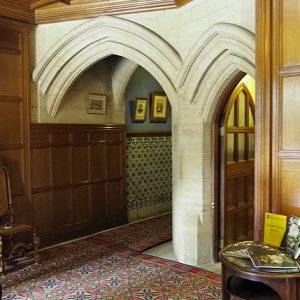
pixel 148 150
pixel 234 164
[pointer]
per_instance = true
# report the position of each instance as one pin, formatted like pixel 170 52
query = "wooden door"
pixel 237 168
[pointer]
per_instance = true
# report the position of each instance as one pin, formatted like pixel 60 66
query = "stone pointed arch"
pixel 96 39
pixel 221 47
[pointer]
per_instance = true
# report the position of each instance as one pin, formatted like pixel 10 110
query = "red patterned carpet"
pixel 95 268
pixel 141 235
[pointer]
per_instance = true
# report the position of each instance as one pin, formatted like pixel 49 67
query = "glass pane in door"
pixel 251 145
pixel 241 146
pixel 230 147
pixel 242 109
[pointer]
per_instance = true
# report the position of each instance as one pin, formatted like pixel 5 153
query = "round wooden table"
pixel 240 278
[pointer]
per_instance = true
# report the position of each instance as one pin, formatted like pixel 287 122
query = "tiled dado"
pixel 149 170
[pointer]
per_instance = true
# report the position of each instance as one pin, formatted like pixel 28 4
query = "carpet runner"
pixel 141 235
pixel 95 268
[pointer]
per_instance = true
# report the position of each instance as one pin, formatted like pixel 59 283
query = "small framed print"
pixel 159 107
pixel 140 109
pixel 96 104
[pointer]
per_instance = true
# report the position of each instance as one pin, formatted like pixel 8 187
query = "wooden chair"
pixel 18 242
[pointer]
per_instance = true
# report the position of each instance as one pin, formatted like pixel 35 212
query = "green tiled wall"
pixel 149 170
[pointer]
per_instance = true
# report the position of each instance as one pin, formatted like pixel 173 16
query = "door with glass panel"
pixel 237 168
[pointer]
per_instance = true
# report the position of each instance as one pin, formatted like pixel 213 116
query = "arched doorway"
pixel 235 156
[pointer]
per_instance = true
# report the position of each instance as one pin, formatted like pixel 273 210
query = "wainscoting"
pixel 77 179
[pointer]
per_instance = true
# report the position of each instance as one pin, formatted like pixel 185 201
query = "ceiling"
pixel 59 10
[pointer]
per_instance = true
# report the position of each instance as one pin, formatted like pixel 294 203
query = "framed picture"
pixel 159 106
pixel 140 108
pixel 96 104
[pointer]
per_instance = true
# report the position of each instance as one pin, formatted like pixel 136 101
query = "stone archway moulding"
pixel 96 39
pixel 221 46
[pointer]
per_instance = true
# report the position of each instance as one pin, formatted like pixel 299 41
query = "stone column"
pixel 192 225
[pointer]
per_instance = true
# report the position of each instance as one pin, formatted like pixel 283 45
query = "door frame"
pixel 216 161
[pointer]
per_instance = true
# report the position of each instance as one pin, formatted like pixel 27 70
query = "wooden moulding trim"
pixel 295 154
pixel 47 11
pixel 57 12
pixel 11 147
pixel 147 134
pixel 291 70
pixel 40 3
pixel 263 136
pixel 17 15
pixel 182 2
pixel 10 51
pixel 50 126
pixel 10 99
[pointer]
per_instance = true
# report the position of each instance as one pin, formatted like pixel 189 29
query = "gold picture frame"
pixel 96 104
pixel 140 109
pixel 159 107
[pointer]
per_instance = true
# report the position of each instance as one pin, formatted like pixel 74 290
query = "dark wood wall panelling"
pixel 71 181
pixel 14 112
pixel 287 108
pixel 278 103
pixel 78 179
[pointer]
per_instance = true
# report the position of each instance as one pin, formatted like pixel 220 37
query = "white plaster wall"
pixel 209 59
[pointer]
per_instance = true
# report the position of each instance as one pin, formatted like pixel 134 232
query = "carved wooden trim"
pixel 57 11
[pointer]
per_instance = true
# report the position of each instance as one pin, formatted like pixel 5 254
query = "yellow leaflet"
pixel 274 229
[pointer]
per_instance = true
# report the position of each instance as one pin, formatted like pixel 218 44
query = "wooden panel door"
pixel 237 168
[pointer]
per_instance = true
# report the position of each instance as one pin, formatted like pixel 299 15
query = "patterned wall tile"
pixel 149 170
